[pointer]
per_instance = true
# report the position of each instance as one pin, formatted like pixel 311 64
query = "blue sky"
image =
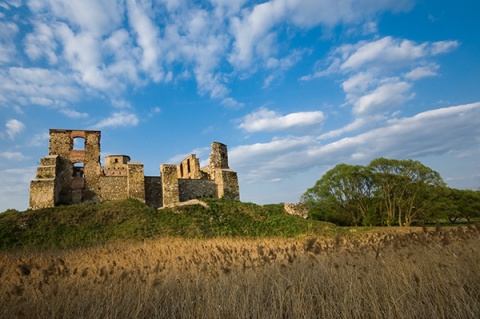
pixel 293 87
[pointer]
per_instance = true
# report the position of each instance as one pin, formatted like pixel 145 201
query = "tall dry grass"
pixel 421 274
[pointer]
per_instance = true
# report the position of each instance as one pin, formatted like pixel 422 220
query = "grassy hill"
pixel 86 225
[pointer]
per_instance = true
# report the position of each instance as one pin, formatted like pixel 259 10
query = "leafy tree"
pixel 406 188
pixel 458 204
pixel 387 191
pixel 343 195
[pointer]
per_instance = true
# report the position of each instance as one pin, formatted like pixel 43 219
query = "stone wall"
pixel 92 168
pixel 62 144
pixel 72 173
pixel 218 156
pixel 170 189
pixel 153 191
pixel 113 187
pixel 42 193
pixel 116 165
pixel 298 209
pixel 227 183
pixel 196 188
pixel 44 189
pixel 136 181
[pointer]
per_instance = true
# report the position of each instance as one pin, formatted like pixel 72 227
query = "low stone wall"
pixel 113 187
pixel 196 188
pixel 298 209
pixel 153 191
pixel 42 193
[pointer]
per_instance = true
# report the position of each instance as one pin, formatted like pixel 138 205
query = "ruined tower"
pixel 73 166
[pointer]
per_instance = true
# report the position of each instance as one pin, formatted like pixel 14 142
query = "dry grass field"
pixel 432 273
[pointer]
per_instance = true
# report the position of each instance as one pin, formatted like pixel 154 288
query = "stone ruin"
pixel 298 209
pixel 70 176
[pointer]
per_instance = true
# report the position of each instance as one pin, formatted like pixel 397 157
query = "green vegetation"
pixel 84 225
pixel 388 192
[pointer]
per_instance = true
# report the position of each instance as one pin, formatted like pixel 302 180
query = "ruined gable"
pixel 72 173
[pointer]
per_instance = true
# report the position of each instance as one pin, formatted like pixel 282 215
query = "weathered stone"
pixel 169 184
pixel 298 209
pixel 72 173
pixel 136 181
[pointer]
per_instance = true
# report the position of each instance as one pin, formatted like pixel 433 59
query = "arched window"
pixel 79 143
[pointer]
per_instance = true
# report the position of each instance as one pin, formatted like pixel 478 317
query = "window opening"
pixel 78 170
pixel 79 143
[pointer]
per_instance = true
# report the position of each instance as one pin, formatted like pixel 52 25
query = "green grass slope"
pixel 86 225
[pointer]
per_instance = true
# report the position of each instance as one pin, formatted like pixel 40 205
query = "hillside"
pixel 86 225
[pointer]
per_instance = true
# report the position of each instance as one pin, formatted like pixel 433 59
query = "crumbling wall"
pixel 136 181
pixel 298 209
pixel 218 155
pixel 190 168
pixel 113 187
pixel 153 191
pixel 92 167
pixel 72 174
pixel 44 189
pixel 227 184
pixel 196 188
pixel 170 189
pixel 62 144
pixel 116 165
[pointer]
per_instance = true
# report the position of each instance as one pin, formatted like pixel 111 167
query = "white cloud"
pixel 386 52
pixel 87 43
pixel 443 47
pixel 14 156
pixel 232 103
pixel 71 113
pixel 14 188
pixel 40 139
pixel 270 121
pixel 118 119
pixel 380 56
pixel 147 38
pixel 384 97
pixel 41 43
pixel 14 127
pixel 96 17
pixel 357 124
pixel 202 153
pixel 8 30
pixel 257 24
pixel 423 72
pixel 440 131
pixel 37 86
pixel 379 74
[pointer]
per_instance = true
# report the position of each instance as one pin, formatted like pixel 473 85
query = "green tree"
pixel 343 195
pixel 456 204
pixel 406 188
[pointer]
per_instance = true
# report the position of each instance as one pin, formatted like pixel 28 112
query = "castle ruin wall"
pixel 170 188
pixel 153 191
pixel 113 187
pixel 197 188
pixel 72 173
pixel 136 181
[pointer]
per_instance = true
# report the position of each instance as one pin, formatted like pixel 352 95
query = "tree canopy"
pixel 387 192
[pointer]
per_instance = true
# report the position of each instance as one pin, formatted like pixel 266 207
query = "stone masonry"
pixel 72 173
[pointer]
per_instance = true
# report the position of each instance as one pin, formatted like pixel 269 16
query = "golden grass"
pixel 420 274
